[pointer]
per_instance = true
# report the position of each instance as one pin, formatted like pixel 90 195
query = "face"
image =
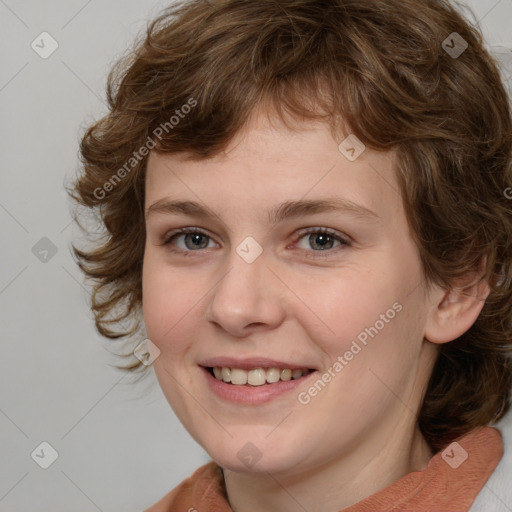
pixel 271 277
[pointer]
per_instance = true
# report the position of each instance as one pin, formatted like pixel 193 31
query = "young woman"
pixel 307 215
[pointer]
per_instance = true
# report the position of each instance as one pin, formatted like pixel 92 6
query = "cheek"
pixel 347 308
pixel 371 318
pixel 168 300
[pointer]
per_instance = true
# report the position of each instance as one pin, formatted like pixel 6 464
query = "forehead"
pixel 266 163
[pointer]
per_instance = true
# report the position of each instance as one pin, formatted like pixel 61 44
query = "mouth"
pixel 259 376
pixel 254 380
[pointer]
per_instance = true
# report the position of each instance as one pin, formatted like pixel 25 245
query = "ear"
pixel 455 310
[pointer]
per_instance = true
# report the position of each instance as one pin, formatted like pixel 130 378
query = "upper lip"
pixel 250 363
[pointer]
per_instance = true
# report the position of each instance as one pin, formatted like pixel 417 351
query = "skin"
pixel 359 434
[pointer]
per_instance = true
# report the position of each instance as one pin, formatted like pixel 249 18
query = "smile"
pixel 256 386
pixel 256 376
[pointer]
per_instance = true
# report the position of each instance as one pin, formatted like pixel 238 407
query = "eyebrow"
pixel 286 210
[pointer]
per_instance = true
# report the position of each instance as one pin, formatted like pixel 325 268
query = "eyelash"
pixel 308 231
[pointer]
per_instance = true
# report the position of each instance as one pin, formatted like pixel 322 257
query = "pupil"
pixel 326 239
pixel 196 238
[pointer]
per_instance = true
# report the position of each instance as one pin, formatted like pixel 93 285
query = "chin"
pixel 260 467
pixel 252 457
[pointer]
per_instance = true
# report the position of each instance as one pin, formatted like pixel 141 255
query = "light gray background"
pixel 120 446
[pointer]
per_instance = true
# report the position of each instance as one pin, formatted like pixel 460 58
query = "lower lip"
pixel 252 395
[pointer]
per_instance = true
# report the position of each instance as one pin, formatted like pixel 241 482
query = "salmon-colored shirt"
pixel 450 482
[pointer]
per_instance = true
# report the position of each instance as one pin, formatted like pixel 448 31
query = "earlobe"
pixel 456 311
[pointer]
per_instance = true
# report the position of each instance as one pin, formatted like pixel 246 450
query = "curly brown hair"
pixel 383 66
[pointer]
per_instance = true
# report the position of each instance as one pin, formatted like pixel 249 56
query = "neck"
pixel 335 486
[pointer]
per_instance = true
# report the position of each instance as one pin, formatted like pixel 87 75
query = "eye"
pixel 321 240
pixel 193 239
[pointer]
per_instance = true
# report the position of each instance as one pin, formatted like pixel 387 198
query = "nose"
pixel 248 298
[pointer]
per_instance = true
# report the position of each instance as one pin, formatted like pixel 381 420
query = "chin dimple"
pixel 256 376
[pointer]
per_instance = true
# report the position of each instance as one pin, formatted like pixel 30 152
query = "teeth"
pixel 226 374
pixel 239 377
pixel 286 374
pixel 273 375
pixel 256 376
pixel 296 374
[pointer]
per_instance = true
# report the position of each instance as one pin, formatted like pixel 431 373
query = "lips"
pixel 251 395
pixel 252 363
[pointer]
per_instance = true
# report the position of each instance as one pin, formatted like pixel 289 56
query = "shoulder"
pixel 205 480
pixel 496 495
